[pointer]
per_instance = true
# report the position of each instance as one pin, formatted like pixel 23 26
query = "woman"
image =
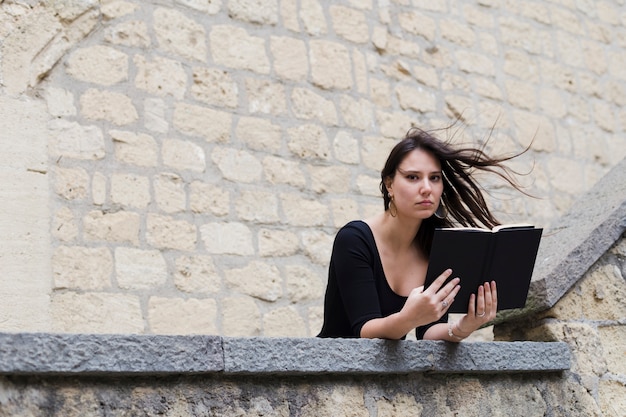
pixel 378 266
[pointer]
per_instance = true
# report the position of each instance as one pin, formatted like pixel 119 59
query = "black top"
pixel 357 289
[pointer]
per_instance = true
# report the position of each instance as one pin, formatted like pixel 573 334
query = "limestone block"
pixel 521 94
pixel 309 105
pixel 179 34
pixel 475 63
pixel 166 232
pixel 346 147
pixel 64 225
pixel 399 405
pixel 329 179
pixel 309 142
pixel 182 316
pixel 417 99
pixel 604 116
pixel 317 246
pixel 183 155
pixel 486 87
pixel 107 105
pixel 380 35
pixel 197 274
pixel 265 97
pixel 356 113
pixel 170 193
pixel 343 210
pixel 301 211
pixel 380 92
pixel 259 134
pixel 521 65
pixel 399 46
pixel 418 24
pixel 240 317
pixel 281 171
pixel 603 294
pixel 315 318
pixel 132 33
pixel 303 284
pixel 538 128
pixel 135 148
pixel 565 175
pixel 139 269
pixel 72 140
pixel 570 52
pixel 394 125
pixel 121 226
pixel 284 321
pixel 594 56
pixel 96 312
pixel 227 238
pixel 253 11
pixel 160 76
pixel 330 65
pixel 277 243
pixel 312 17
pixel 290 59
pixel 60 102
pixel 208 198
pixel 237 165
pixel 209 7
pixel 20 47
pixel 214 86
pixel 479 16
pixel 340 397
pixel 80 268
pixel 99 188
pixel 519 34
pixel 154 115
pixel 349 23
pixel 117 8
pixel 552 103
pixel 289 15
pixel 98 64
pixel 457 32
pixel 370 186
pixel 130 190
pixel 258 279
pixel 612 396
pixel 212 125
pixel 613 339
pixel 71 183
pixel 257 206
pixel 360 72
pixel 374 151
pixel 235 48
pixel 566 19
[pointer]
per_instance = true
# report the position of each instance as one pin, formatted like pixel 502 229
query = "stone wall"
pixel 182 166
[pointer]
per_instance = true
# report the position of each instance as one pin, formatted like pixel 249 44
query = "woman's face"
pixel 417 185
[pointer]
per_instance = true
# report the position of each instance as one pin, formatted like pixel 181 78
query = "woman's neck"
pixel 397 233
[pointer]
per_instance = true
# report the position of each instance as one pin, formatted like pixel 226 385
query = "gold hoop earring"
pixel 441 212
pixel 393 212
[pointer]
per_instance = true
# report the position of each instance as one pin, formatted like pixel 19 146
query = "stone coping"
pixel 100 354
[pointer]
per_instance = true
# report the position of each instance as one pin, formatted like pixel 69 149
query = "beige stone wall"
pixel 181 166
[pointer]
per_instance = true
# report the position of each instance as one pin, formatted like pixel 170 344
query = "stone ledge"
pixel 87 354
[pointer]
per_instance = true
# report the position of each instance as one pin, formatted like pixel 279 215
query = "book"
pixel 505 254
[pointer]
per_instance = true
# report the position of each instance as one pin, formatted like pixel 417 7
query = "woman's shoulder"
pixel 355 229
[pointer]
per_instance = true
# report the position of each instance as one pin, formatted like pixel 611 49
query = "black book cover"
pixel 506 256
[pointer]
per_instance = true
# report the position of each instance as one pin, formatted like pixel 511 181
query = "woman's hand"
pixel 421 307
pixel 481 310
pixel 429 305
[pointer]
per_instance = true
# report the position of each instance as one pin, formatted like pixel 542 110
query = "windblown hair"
pixel 462 195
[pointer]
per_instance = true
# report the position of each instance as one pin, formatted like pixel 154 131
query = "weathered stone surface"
pixel 98 354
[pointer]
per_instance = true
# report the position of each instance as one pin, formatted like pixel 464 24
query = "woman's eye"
pixel 436 178
pixel 411 177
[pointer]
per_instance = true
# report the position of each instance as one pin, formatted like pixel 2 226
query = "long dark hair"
pixel 462 196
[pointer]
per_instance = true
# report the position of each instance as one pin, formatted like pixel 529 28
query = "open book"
pixel 505 254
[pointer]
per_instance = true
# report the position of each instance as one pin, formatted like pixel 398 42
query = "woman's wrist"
pixel 460 330
pixel 452 334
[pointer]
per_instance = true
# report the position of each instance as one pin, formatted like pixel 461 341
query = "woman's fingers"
pixel 439 281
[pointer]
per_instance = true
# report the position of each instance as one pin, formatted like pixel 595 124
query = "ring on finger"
pixel 481 315
pixel 444 303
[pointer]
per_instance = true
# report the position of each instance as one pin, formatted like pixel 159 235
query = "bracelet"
pixel 451 333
